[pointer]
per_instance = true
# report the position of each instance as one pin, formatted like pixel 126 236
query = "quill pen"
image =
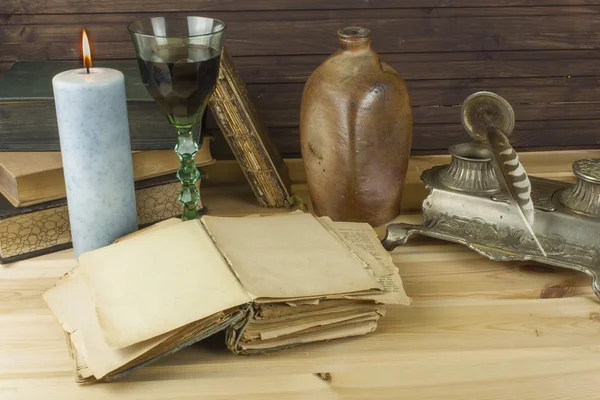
pixel 516 182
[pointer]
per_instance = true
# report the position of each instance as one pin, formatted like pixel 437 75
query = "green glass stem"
pixel 188 173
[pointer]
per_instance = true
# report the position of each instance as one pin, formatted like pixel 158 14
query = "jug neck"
pixel 354 38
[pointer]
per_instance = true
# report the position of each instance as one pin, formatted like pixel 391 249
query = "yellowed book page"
pixel 362 239
pixel 288 255
pixel 287 330
pixel 345 330
pixel 72 305
pixel 194 331
pixel 372 317
pixel 362 295
pixel 77 312
pixel 153 283
pixel 281 312
pixel 151 228
pixel 285 323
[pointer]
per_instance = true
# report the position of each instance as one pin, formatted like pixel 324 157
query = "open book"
pixel 270 282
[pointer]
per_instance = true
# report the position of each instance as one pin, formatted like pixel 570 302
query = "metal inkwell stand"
pixel 468 204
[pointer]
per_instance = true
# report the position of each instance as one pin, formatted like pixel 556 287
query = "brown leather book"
pixel 29 178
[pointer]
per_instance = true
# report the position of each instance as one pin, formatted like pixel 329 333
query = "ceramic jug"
pixel 355 133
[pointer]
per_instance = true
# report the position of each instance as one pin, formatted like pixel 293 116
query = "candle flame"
pixel 87 54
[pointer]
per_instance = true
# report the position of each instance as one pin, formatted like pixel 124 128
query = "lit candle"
pixel 95 146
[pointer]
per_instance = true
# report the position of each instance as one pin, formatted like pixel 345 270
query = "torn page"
pixel 288 256
pixel 362 239
pixel 156 282
pixel 72 305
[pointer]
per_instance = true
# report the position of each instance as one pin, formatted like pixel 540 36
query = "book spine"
pixel 248 138
pixel 40 232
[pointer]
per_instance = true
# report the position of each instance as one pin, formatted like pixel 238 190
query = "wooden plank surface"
pixel 476 329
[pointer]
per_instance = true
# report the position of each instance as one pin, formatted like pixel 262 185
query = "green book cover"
pixel 32 80
pixel 28 116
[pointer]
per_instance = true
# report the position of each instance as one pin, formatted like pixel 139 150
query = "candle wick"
pixel 87 69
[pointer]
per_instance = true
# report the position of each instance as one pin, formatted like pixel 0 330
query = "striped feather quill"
pixel 516 182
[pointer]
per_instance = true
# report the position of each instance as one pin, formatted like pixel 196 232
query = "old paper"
pixel 362 239
pixel 151 284
pixel 288 256
pixel 344 329
pixel 159 225
pixel 301 325
pixel 72 305
pixel 282 311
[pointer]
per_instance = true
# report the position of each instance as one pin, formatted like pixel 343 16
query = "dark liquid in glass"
pixel 181 80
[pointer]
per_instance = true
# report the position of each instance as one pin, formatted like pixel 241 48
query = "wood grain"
pixel 436 138
pixel 441 66
pixel 245 37
pixel 476 329
pixel 274 14
pixel 75 6
pixel 412 66
pixel 541 55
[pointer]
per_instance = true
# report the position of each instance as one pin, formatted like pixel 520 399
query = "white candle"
pixel 96 153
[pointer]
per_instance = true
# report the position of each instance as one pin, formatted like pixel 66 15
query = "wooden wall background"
pixel 542 55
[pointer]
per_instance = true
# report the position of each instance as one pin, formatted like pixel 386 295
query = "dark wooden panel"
pixel 370 16
pixel 436 138
pixel 270 46
pixel 439 101
pixel 549 104
pixel 454 65
pixel 540 54
pixel 437 128
pixel 426 34
pixel 428 137
pixel 108 6
pixel 451 114
pixel 365 15
pixel 287 69
pixel 453 92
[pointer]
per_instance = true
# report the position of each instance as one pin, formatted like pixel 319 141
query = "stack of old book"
pixel 269 282
pixel 33 208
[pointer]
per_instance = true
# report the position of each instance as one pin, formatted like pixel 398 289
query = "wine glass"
pixel 179 60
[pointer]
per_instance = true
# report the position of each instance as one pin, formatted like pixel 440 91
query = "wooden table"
pixel 476 329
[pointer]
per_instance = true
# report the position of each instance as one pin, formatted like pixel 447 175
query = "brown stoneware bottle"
pixel 355 133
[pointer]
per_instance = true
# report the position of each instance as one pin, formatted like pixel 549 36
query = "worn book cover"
pixel 249 139
pixel 27 232
pixel 29 178
pixel 270 282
